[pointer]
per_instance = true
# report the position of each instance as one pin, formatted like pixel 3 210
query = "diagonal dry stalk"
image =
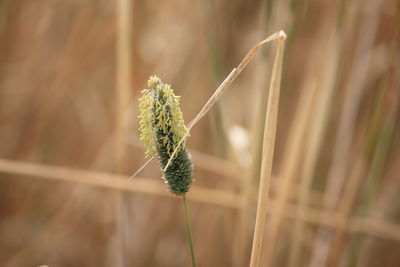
pixel 218 93
pixel 269 132
pixel 268 150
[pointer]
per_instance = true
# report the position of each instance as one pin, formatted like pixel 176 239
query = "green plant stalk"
pixel 189 227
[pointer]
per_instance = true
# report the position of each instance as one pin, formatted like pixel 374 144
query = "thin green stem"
pixel 189 227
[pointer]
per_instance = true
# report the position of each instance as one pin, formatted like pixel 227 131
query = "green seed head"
pixel 161 129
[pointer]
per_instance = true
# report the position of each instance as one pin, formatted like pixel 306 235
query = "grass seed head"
pixel 161 129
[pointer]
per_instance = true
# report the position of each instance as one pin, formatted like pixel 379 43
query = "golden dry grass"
pixel 71 74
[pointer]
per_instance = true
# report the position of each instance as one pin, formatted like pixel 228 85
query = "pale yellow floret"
pixel 170 119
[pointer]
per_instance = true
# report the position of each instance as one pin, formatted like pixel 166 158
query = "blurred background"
pixel 71 74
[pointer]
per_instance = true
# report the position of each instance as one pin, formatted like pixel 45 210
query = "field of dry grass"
pixel 71 75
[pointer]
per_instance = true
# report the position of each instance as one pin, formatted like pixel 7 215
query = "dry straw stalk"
pixel 268 150
pixel 218 93
pixel 373 227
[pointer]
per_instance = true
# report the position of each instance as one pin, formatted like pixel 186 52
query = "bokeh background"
pixel 70 77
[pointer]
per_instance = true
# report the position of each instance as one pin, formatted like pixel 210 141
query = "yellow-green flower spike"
pixel 161 129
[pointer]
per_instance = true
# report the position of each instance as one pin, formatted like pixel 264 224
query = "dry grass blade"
pixel 218 93
pixel 345 208
pixel 377 228
pixel 317 128
pixel 268 150
pixel 355 89
pixel 374 227
pixel 116 182
pixel 292 158
pixel 124 80
pixel 123 72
